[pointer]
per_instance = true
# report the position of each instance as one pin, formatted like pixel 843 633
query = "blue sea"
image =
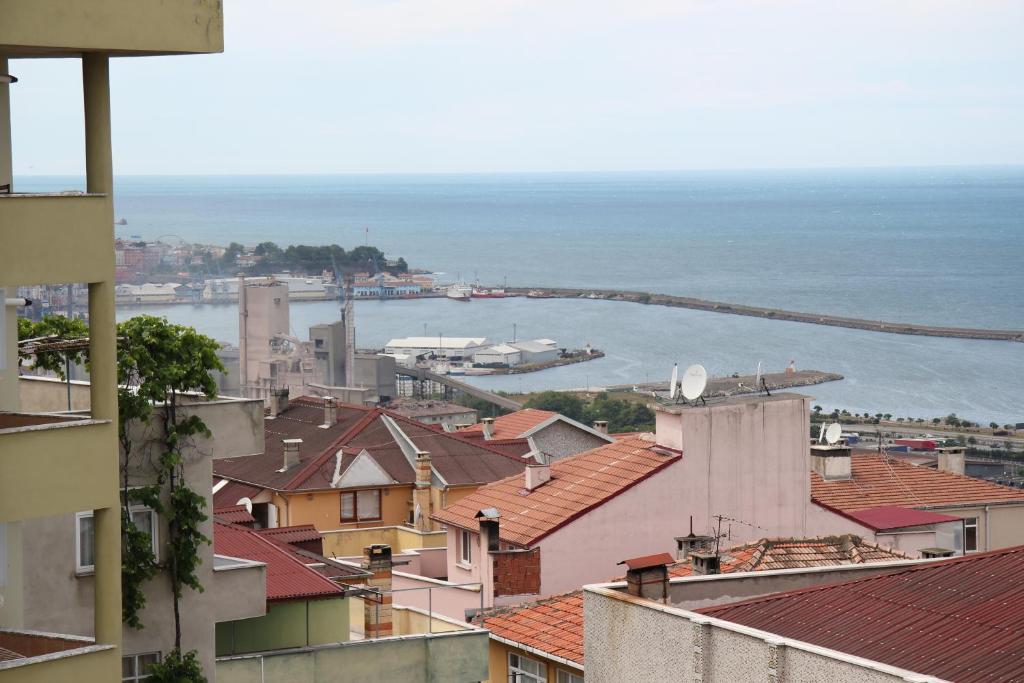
pixel 935 246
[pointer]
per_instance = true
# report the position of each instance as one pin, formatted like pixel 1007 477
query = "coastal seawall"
pixel 653 299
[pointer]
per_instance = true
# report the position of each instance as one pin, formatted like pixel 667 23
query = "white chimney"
pixel 291 453
pixel 832 462
pixel 952 459
pixel 330 412
pixel 488 423
pixel 278 401
pixel 601 426
pixel 535 475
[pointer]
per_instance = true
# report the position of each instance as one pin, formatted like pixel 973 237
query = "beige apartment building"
pixel 52 466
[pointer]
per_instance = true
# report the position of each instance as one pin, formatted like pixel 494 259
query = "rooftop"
pixel 881 481
pixel 553 625
pixel 960 619
pixel 513 424
pixel 578 483
pixel 235 514
pixel 895 517
pixel 439 342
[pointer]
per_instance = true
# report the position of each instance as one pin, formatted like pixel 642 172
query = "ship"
pixel 460 292
pixel 483 293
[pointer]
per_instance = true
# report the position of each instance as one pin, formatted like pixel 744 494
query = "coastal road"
pixel 922 431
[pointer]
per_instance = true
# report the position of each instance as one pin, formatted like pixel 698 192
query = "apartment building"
pixel 50 465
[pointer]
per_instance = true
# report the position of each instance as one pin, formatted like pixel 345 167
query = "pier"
pixel 745 384
pixel 771 313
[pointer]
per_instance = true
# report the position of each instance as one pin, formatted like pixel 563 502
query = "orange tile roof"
pixel 797 553
pixel 882 481
pixel 553 625
pixel 577 484
pixel 514 424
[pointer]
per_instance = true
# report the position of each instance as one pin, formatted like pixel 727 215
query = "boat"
pixel 460 292
pixel 482 293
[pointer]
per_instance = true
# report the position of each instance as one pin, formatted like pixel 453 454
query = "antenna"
pixel 833 433
pixel 695 380
pixel 673 386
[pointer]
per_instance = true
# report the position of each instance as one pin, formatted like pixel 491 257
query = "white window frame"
pixel 566 676
pixel 79 567
pixel 137 676
pixel 154 529
pixel 517 675
pixel 971 523
pixel 465 547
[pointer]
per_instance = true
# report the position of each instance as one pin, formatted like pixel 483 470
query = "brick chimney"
pixel 952 459
pixel 278 401
pixel 421 495
pixel 536 475
pixel 647 577
pixel 330 412
pixel 291 453
pixel 488 423
pixel 831 462
pixel 601 426
pixel 377 614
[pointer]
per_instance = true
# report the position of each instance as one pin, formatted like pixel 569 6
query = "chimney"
pixel 535 475
pixel 601 426
pixel 831 462
pixel 421 495
pixel 377 613
pixel 691 543
pixel 952 459
pixel 647 577
pixel 489 519
pixel 291 453
pixel 330 412
pixel 488 423
pixel 278 401
pixel 705 563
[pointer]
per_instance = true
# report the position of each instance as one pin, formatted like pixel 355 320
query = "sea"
pixel 939 246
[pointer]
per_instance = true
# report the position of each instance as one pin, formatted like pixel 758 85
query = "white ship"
pixel 460 292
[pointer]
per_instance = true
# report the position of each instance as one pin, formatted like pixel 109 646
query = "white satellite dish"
pixel 247 502
pixel 695 379
pixel 833 433
pixel 673 386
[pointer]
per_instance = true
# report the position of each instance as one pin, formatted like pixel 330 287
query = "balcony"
pixel 125 27
pixel 57 238
pixel 35 656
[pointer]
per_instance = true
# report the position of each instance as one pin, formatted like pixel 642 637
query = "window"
pixel 358 506
pixel 971 534
pixel 144 519
pixel 569 677
pixel 137 667
pixel 465 546
pixel 85 542
pixel 525 670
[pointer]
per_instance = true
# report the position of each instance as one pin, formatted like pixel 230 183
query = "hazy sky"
pixel 324 86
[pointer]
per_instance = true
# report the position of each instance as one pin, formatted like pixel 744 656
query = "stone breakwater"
pixel 771 313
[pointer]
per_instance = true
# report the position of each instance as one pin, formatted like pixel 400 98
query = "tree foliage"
pixel 621 416
pixel 178 668
pixel 309 259
pixel 61 328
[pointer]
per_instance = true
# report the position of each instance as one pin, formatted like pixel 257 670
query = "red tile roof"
pixel 553 625
pixel 578 484
pixel 960 619
pixel 514 424
pixel 894 517
pixel 797 553
pixel 291 534
pixel 458 460
pixel 236 514
pixel 288 578
pixel 880 481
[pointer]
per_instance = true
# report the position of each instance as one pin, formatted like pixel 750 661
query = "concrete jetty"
pixel 744 384
pixel 770 313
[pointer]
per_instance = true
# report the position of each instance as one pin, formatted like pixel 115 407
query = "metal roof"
pixel 648 561
pixel 895 517
pixel 960 619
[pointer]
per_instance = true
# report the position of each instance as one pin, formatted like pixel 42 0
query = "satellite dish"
pixel 695 379
pixel 757 376
pixel 247 502
pixel 833 433
pixel 673 386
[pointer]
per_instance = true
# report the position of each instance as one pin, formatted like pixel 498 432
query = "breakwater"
pixel 654 299
pixel 745 384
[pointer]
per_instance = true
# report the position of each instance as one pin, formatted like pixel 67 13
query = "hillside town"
pixel 177 508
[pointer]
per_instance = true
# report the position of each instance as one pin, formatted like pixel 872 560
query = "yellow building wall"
pixel 322 509
pixel 497 655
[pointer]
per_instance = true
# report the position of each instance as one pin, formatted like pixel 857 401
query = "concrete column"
pixel 99 165
pixel 107 615
pixel 6 171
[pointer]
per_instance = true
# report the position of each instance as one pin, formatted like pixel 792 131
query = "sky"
pixel 450 86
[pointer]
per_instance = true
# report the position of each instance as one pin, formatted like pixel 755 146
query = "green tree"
pixel 231 254
pixel 993 425
pixel 621 416
pixel 562 402
pixel 56 328
pixel 817 410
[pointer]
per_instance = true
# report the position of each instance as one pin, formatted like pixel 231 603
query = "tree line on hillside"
pixel 311 259
pixel 621 416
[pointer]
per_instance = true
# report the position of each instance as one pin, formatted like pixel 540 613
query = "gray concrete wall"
pixel 560 440
pixel 454 657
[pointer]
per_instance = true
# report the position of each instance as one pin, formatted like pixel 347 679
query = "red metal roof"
pixel 291 534
pixel 648 561
pixel 232 492
pixel 288 578
pixel 236 514
pixel 880 481
pixel 895 517
pixel 960 619
pixel 578 484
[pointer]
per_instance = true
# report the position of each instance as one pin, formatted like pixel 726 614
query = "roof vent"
pixel 934 553
pixel 291 453
pixel 488 426
pixel 536 475
pixel 705 563
pixel 330 412
pixel 601 426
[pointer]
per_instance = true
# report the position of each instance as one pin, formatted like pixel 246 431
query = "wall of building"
pixel 443 598
pixel 560 440
pixel 287 625
pixel 322 509
pixel 498 658
pixel 643 641
pixel 49 394
pixel 457 657
pixel 350 542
